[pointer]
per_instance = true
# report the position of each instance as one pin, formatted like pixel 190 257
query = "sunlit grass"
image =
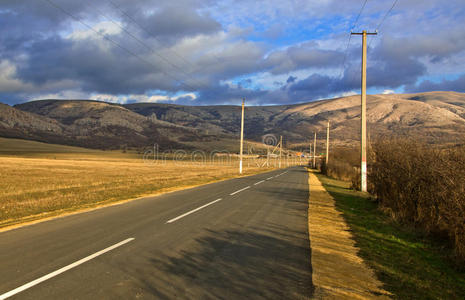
pixel 411 265
pixel 68 181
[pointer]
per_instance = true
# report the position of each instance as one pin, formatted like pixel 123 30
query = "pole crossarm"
pixel 367 33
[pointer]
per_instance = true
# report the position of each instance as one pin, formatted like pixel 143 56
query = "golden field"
pixel 56 179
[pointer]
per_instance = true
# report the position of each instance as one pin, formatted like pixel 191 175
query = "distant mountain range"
pixel 437 117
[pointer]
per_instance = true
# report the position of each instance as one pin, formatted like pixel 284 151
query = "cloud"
pixel 307 55
pixel 314 86
pixel 144 98
pixel 229 94
pixel 457 85
pixel 274 32
pixel 177 21
pixel 291 79
pixel 8 81
pixel 276 52
pixel 104 28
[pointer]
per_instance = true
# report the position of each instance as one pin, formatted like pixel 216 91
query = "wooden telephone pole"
pixel 310 151
pixel 363 142
pixel 327 144
pixel 242 138
pixel 314 151
pixel 280 149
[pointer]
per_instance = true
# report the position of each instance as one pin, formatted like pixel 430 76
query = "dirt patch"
pixel 338 272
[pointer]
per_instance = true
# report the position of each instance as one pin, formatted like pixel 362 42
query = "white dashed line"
pixel 62 270
pixel 257 183
pixel 192 211
pixel 239 191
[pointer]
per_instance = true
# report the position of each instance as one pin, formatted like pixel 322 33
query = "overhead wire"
pixel 148 32
pixel 382 20
pixel 117 44
pixel 133 36
pixel 133 20
pixel 350 37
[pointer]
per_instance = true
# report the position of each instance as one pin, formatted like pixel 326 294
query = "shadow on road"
pixel 268 259
pixel 235 265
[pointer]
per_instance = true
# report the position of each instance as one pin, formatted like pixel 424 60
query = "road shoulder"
pixel 338 272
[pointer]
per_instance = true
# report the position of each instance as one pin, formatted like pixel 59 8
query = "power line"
pixel 386 15
pixel 382 21
pixel 147 46
pixel 115 43
pixel 133 20
pixel 147 31
pixel 350 37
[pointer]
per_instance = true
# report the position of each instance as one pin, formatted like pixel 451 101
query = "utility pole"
pixel 363 143
pixel 310 153
pixel 280 149
pixel 242 138
pixel 314 151
pixel 327 144
pixel 267 157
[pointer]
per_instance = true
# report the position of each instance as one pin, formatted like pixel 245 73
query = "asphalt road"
pixel 253 243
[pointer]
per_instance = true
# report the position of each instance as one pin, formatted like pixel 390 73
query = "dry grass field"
pixel 41 180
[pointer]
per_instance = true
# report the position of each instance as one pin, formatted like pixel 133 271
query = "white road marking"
pixel 257 183
pixel 239 191
pixel 62 270
pixel 192 211
pixel 269 178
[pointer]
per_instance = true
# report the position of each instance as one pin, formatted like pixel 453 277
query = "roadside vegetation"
pixel 411 264
pixel 343 163
pixel 41 180
pixel 424 187
pixel 419 185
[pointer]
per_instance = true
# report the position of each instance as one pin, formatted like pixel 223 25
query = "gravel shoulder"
pixel 338 271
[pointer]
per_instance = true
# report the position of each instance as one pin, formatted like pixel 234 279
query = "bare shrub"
pixel 422 185
pixel 342 164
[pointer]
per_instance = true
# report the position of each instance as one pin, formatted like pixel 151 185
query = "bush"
pixel 423 186
pixel 341 170
pixel 343 164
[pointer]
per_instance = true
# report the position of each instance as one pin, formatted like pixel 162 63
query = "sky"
pixel 205 52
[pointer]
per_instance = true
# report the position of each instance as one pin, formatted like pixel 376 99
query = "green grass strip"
pixel 411 265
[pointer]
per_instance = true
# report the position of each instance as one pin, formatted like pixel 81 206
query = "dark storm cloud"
pixel 225 94
pixel 96 69
pixel 22 23
pixel 435 48
pixel 40 50
pixel 10 98
pixel 457 85
pixel 177 21
pixel 29 36
pixel 291 79
pixel 386 70
pixel 301 57
pixel 314 86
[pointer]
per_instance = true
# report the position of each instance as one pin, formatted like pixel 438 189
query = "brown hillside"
pixel 437 117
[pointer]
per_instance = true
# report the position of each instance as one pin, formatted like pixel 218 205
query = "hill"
pixel 438 117
pixel 96 124
pixel 435 116
pixel 22 124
